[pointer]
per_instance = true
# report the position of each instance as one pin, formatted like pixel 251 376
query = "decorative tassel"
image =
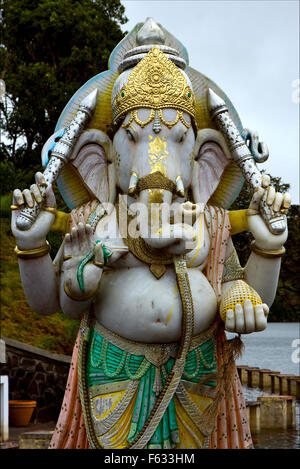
pixel 157 385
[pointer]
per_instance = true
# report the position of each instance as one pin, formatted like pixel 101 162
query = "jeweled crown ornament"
pixel 155 83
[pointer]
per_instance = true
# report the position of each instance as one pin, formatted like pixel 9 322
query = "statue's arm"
pixel 241 308
pixel 261 271
pixel 36 268
pixel 81 270
pixel 263 274
pixel 40 285
pixel 263 266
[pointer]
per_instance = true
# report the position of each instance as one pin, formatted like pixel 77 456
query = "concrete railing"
pixel 35 374
pixel 276 411
pixel 270 381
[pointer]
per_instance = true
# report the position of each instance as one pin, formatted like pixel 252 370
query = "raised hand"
pixel 36 235
pixel 280 203
pixel 83 262
pixel 247 318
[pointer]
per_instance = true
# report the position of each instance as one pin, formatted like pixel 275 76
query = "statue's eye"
pixel 182 137
pixel 130 135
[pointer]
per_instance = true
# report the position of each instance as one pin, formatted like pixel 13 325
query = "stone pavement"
pixel 33 436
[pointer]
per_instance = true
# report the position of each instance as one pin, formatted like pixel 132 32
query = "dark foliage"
pixel 48 50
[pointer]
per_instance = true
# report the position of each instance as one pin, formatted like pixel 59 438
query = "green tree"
pixel 49 49
pixel 286 306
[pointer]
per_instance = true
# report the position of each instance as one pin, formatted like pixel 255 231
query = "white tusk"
pixel 179 186
pixel 133 183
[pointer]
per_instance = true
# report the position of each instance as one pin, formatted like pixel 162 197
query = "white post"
pixel 2 351
pixel 3 408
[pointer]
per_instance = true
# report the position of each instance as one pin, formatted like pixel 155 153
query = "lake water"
pixel 277 348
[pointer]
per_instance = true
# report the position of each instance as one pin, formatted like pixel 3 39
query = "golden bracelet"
pixel 15 207
pixel 269 254
pixel 85 297
pixel 99 264
pixel 33 253
pixel 252 211
pixel 51 210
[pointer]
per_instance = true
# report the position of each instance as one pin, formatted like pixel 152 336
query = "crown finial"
pixel 150 33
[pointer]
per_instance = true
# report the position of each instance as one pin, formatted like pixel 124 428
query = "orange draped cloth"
pixel 231 430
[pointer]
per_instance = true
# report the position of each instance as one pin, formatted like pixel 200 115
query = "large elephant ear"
pixel 216 178
pixel 89 174
pixel 221 179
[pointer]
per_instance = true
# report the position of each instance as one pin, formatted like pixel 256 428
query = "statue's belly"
pixel 134 304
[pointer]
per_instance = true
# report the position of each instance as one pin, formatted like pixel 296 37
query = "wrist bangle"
pixel 33 253
pixel 83 297
pixel 269 254
pixel 51 210
pixel 252 211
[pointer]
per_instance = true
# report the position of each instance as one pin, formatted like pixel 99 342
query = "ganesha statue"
pixel 149 156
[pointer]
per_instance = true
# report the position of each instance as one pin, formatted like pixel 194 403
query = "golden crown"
pixel 156 83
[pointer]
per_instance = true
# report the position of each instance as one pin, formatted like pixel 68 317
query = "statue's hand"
pixel 78 245
pixel 36 235
pixel 246 319
pixel 280 203
pixel 179 236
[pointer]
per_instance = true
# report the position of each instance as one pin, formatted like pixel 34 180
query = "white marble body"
pixel 133 303
pixel 130 300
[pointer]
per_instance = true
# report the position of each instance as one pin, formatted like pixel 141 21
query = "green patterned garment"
pixel 108 363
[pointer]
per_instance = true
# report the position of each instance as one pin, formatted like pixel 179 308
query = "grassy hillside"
pixel 55 333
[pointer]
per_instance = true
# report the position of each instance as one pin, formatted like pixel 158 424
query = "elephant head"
pixel 162 146
pixel 156 145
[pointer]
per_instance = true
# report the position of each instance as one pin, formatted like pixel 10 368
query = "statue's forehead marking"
pixel 157 153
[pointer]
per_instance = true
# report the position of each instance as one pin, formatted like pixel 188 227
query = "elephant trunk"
pixel 155 194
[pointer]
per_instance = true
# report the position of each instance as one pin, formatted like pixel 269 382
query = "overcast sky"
pixel 251 50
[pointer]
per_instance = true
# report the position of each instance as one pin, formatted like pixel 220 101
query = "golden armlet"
pixel 61 222
pixel 251 211
pixel 238 221
pixel 33 253
pixel 237 294
pixel 83 297
pixel 269 254
pixel 51 210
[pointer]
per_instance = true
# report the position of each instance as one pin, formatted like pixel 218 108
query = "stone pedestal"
pixel 35 440
pixel 253 377
pixel 285 388
pixel 274 412
pixel 243 373
pixel 253 413
pixel 295 387
pixel 291 411
pixel 275 377
pixel 265 382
